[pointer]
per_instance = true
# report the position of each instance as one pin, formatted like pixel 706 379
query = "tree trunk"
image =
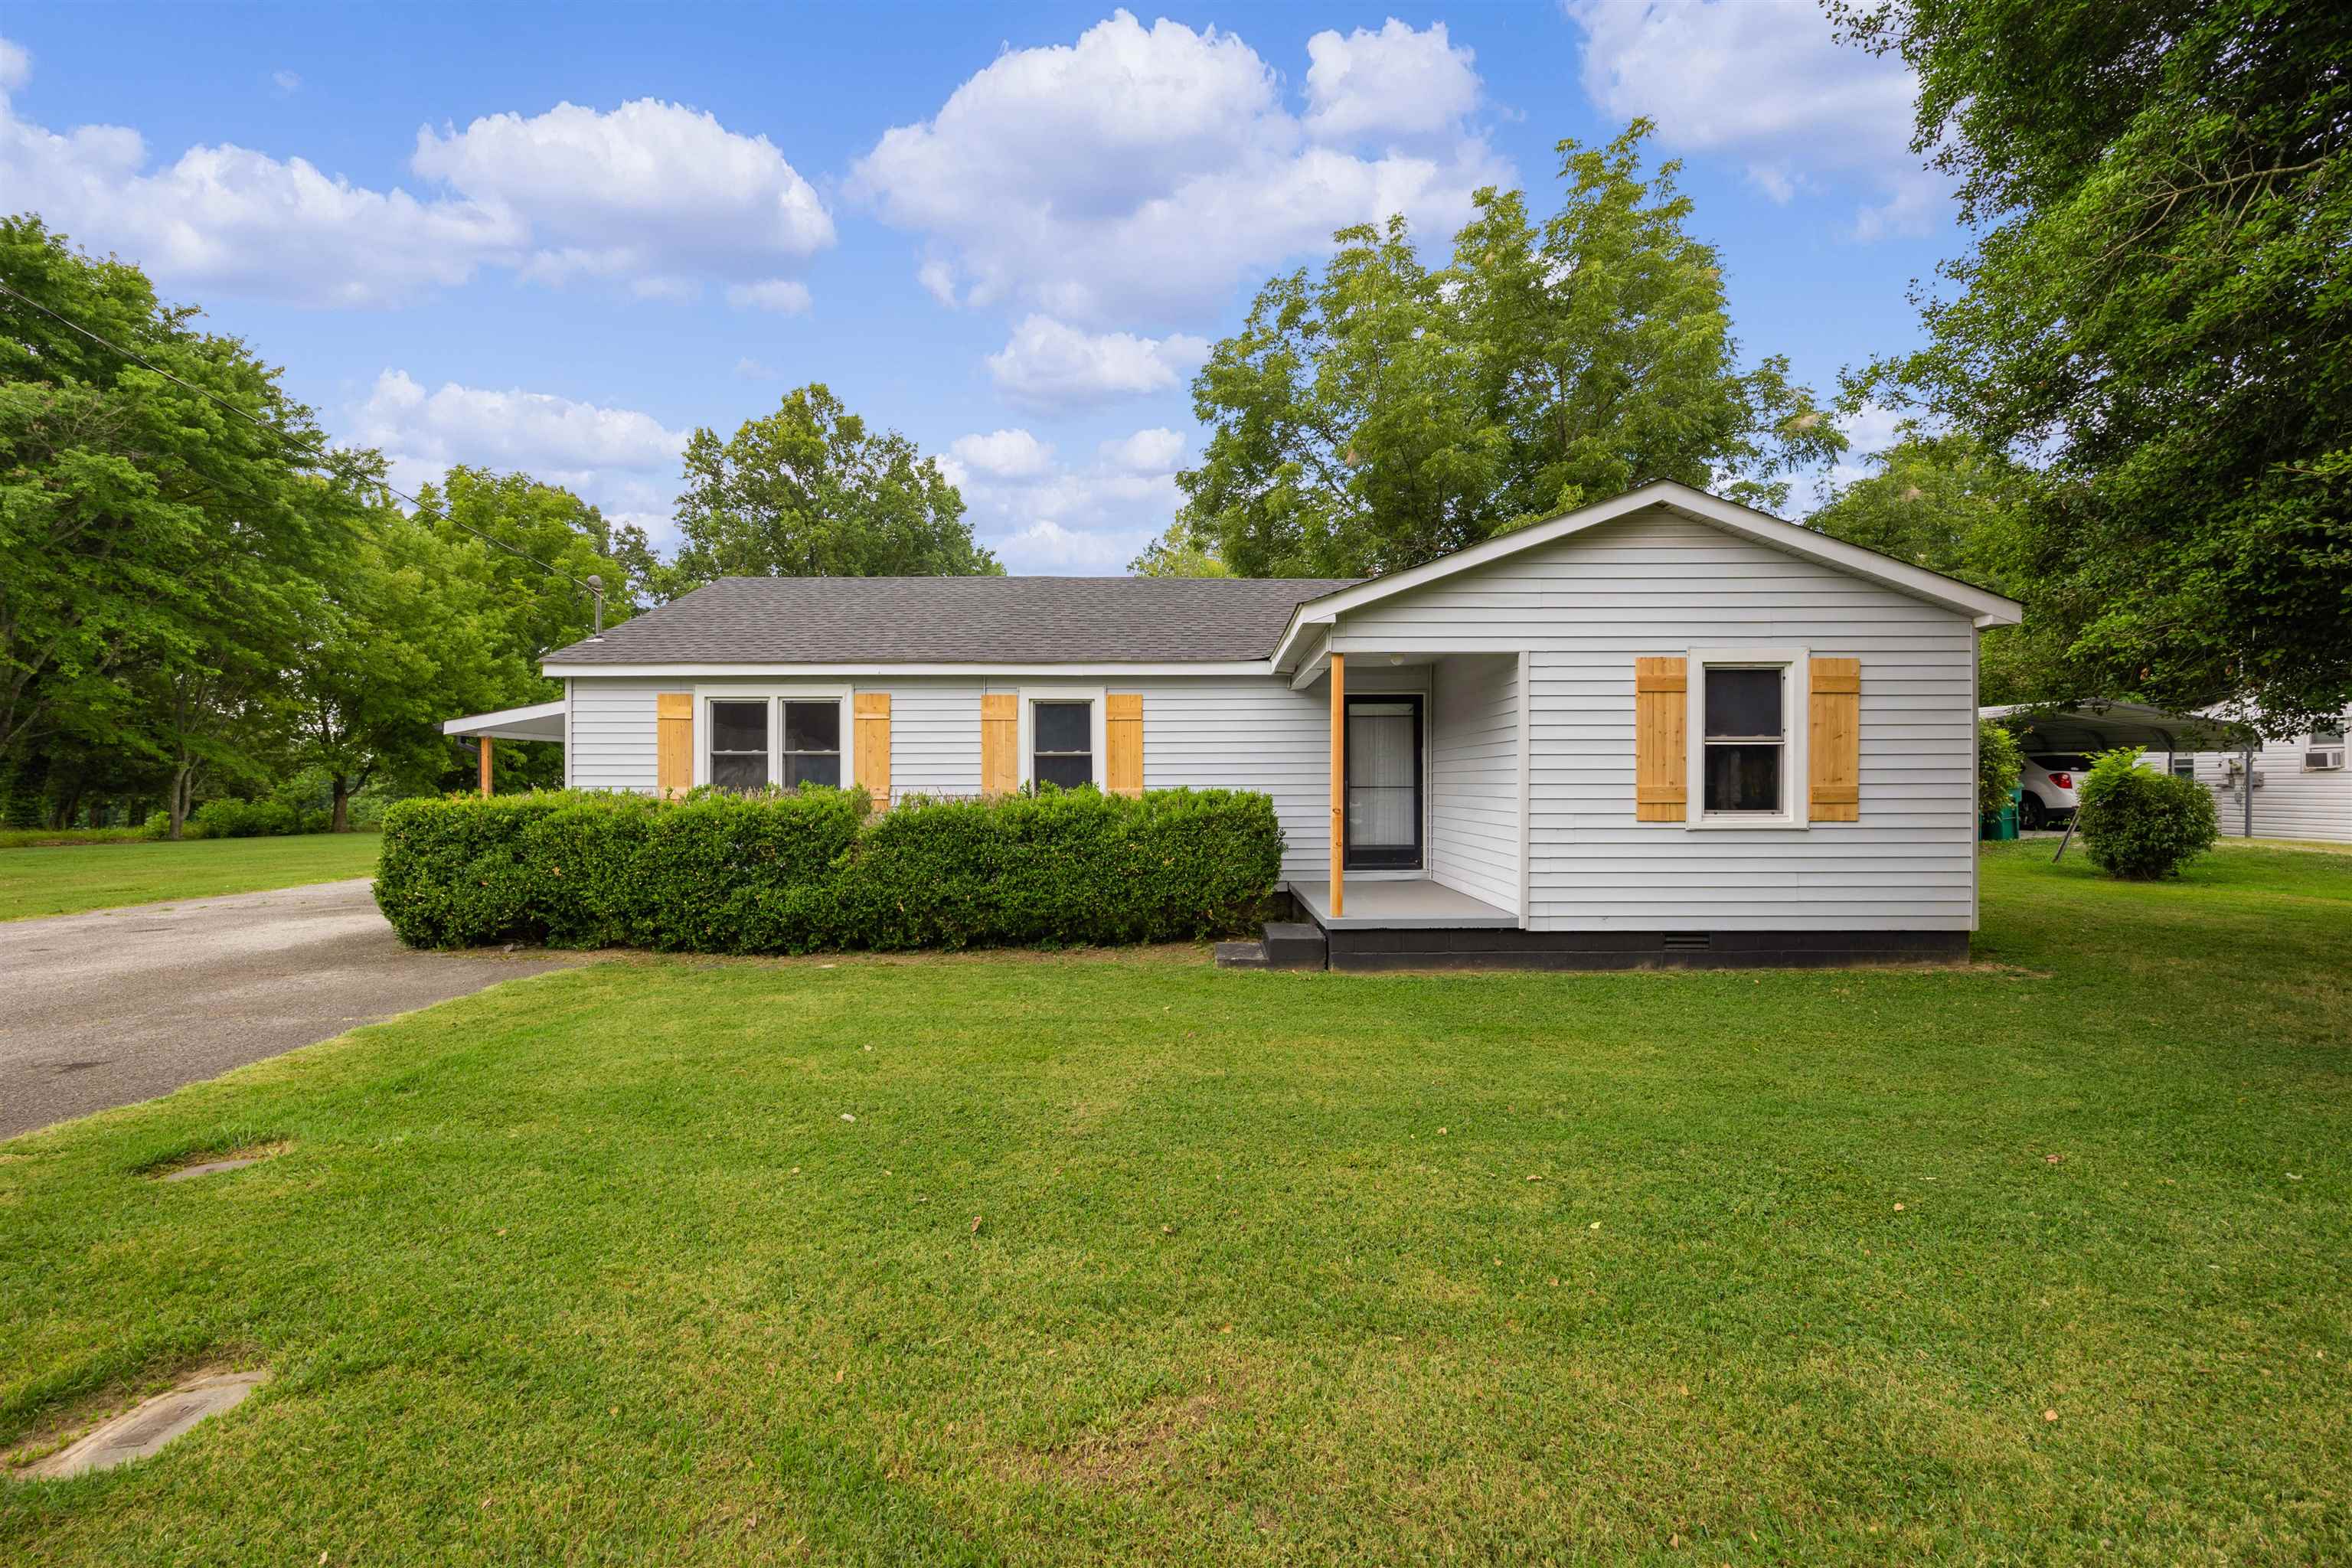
pixel 340 822
pixel 182 780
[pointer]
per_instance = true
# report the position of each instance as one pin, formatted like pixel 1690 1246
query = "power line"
pixel 317 454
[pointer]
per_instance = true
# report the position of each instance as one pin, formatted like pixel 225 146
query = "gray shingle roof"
pixel 959 620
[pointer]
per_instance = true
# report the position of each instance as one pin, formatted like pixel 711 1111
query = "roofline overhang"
pixel 687 669
pixel 529 723
pixel 1983 608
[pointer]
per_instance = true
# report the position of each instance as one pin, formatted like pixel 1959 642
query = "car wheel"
pixel 2031 815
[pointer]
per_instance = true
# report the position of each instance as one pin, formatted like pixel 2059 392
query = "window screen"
pixel 739 745
pixel 812 744
pixel 1746 739
pixel 1064 749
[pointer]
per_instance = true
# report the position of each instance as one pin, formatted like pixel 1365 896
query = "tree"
pixel 2155 312
pixel 809 491
pixel 152 543
pixel 1176 553
pixel 533 608
pixel 412 632
pixel 1951 504
pixel 1386 413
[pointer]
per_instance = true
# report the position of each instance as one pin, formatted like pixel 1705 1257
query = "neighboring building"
pixel 1665 728
pixel 2301 786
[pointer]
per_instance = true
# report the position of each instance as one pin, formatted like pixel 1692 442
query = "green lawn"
pixel 1786 1267
pixel 64 880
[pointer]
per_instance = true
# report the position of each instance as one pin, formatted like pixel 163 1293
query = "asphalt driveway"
pixel 119 1006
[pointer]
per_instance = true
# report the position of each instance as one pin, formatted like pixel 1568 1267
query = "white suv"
pixel 2050 780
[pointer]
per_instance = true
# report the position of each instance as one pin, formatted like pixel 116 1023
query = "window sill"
pixel 1742 822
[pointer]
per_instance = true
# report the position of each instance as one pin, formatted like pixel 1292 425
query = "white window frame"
pixel 1099 730
pixel 775 697
pixel 1796 809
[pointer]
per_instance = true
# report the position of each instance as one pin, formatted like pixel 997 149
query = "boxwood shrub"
pixel 802 872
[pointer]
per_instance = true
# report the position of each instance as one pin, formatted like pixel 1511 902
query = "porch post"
pixel 1338 779
pixel 486 767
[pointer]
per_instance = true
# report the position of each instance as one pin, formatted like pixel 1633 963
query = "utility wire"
pixel 317 454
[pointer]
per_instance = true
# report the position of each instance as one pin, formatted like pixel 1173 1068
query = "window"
pixel 2328 737
pixel 2184 765
pixel 739 744
pixel 755 738
pixel 1746 765
pixel 812 744
pixel 1063 750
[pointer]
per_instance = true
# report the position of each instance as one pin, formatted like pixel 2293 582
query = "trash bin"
pixel 2001 825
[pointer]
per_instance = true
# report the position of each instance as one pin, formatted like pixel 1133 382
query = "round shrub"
pixel 2141 823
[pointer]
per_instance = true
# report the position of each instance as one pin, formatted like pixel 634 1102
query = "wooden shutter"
pixel 674 744
pixel 1123 734
pixel 1834 739
pixel 1000 743
pixel 1661 752
pixel 873 726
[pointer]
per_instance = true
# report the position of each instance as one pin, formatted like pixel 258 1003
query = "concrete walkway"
pixel 119 1006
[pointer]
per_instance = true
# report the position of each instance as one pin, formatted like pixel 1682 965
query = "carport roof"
pixel 2103 723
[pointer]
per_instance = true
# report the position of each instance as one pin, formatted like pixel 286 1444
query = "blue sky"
pixel 560 240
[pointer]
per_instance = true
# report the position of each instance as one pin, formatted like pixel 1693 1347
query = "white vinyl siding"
pixel 613 732
pixel 1660 584
pixel 1473 779
pixel 2291 802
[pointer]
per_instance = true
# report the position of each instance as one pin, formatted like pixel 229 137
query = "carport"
pixel 540 721
pixel 2104 723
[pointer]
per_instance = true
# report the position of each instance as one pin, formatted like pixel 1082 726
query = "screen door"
pixel 1384 810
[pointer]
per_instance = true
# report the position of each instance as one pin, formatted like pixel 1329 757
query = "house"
pixel 1662 729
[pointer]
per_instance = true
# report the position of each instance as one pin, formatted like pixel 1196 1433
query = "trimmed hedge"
pixel 800 873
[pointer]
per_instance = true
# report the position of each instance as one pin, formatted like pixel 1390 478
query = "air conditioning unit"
pixel 2324 760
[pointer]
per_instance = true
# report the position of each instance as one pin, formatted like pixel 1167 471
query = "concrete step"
pixel 1294 944
pixel 1241 955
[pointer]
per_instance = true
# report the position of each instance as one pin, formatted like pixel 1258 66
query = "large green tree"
pixel 2153 313
pixel 1385 412
pixel 537 585
pixel 411 631
pixel 810 490
pixel 1952 504
pixel 153 543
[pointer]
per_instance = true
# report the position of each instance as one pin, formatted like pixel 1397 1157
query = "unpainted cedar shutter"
pixel 1833 740
pixel 1000 743
pixel 1661 753
pixel 674 744
pixel 1123 728
pixel 872 722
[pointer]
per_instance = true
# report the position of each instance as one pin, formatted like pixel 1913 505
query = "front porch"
pixel 1401 904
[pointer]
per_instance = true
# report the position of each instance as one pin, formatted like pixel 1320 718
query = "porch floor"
pixel 1416 905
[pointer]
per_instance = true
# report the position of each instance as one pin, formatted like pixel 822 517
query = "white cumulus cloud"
pixel 1004 454
pixel 1042 515
pixel 619 458
pixel 649 190
pixel 1154 451
pixel 1394 81
pixel 652 196
pixel 1767 82
pixel 1141 172
pixel 1049 365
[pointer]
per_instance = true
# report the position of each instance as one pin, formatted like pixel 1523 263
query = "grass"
pixel 68 880
pixel 42 838
pixel 1123 1259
